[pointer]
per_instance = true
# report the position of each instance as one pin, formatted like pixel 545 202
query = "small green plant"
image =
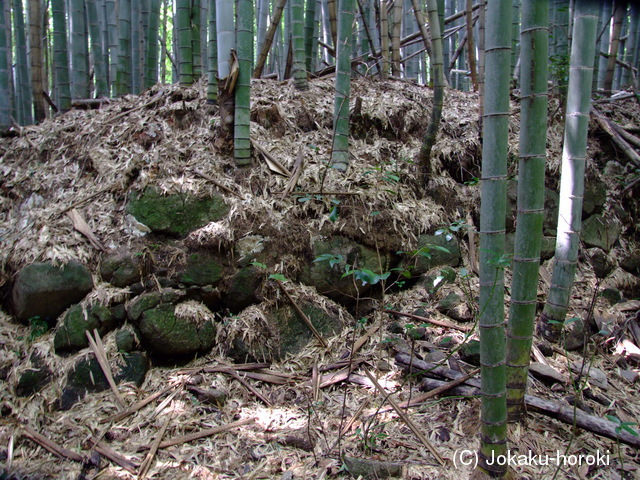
pixel 37 328
pixel 370 439
pixel 450 230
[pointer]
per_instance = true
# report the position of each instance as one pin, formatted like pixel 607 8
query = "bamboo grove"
pixel 60 54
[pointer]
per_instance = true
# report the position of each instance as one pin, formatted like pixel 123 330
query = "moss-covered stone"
pixel 120 269
pixel 175 214
pixel 87 376
pixel 71 334
pixel 243 288
pixel 140 304
pixel 202 269
pixel 470 353
pixel 431 254
pixel 165 333
pixel 295 334
pixel 328 279
pixel 600 231
pixel 45 290
pixel 35 378
pixel 126 339
pixel 595 195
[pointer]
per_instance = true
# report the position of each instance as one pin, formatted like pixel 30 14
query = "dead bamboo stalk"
pixel 303 316
pixel 616 138
pixel 101 356
pixel 405 418
pixel 50 445
pixel 439 323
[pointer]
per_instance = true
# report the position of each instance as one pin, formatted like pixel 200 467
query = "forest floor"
pixel 304 417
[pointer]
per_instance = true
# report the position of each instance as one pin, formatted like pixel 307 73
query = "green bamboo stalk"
pixel 36 57
pixel 340 149
pixel 79 51
pixel 631 45
pixel 429 139
pixel 5 71
pixel 396 23
pixel 99 67
pixel 136 51
pixel 619 10
pixel 298 40
pixel 185 42
pixel 123 73
pixel 384 41
pixel 244 36
pixel 534 73
pixel 196 38
pixel 493 438
pixel 212 83
pixel 24 97
pixel 574 157
pixel 113 40
pixel 151 44
pixel 310 37
pixel 61 55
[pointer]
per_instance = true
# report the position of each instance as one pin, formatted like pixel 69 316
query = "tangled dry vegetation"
pixel 309 415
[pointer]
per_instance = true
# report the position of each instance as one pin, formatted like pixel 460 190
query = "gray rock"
pixel 596 376
pixel 600 231
pixel 44 290
pixel 595 196
pixel 175 214
pixel 546 373
pixel 631 261
pixel 365 468
pixel 629 375
pixel 167 333
pixel 575 334
pixel 71 335
pixel 602 263
pixel 454 306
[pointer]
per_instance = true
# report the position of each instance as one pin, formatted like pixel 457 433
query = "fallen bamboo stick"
pixel 50 445
pixel 439 323
pixel 101 356
pixel 303 316
pixel 416 431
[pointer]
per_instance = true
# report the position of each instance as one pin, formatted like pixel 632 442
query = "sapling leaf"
pixel 278 276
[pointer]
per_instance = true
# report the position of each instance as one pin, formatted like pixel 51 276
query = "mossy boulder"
pixel 45 290
pixel 434 251
pixel 175 215
pixel 600 231
pixel 327 275
pixel 293 331
pixel 470 353
pixel 547 246
pixel 121 269
pixel 146 301
pixel 551 205
pixel 178 330
pixel 34 378
pixel 71 334
pixel 202 268
pixel 86 376
pixel 243 288
pixel 595 196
